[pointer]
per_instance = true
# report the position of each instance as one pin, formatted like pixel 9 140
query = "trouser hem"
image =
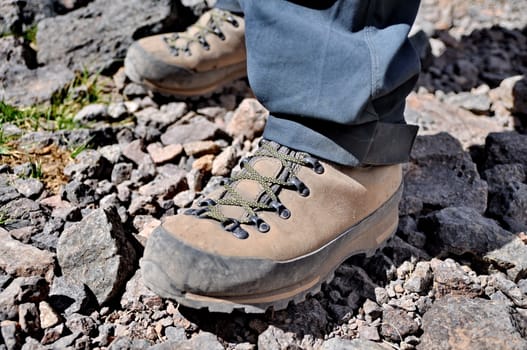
pixel 229 5
pixel 373 143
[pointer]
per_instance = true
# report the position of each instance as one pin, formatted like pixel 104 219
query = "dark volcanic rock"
pixel 69 297
pixel 440 174
pixel 462 323
pixel 97 36
pixel 98 253
pixel 88 164
pixel 459 230
pixel 509 205
pixel 506 148
pixel 21 290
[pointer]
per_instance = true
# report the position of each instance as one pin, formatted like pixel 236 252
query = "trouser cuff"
pixel 373 143
pixel 229 5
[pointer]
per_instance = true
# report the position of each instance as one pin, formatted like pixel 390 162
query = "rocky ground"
pixel 90 163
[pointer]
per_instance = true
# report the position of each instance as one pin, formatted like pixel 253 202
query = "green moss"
pixel 60 112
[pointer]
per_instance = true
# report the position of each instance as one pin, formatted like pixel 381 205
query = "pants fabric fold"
pixel 334 75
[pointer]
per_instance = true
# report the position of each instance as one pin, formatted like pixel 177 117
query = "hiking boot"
pixel 273 234
pixel 209 54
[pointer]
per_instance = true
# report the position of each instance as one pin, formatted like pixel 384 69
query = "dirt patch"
pixel 48 162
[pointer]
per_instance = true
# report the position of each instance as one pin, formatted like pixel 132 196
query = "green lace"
pixel 230 197
pixel 217 17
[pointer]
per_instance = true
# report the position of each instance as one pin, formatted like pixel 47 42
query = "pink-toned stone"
pixel 199 148
pixel 204 163
pixel 248 120
pixel 162 154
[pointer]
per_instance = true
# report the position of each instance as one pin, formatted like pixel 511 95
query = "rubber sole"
pixel 216 80
pixel 364 237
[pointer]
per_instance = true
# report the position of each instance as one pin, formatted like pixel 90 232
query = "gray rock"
pixel 89 164
pixel 9 332
pixel 21 290
pixel 510 289
pixel 125 343
pixel 509 205
pixel 502 174
pixel 69 297
pixel 23 260
pixel 134 152
pixel 121 172
pixel 98 253
pixel 451 279
pixel 463 323
pixel 165 187
pixel 53 334
pixel 476 103
pixel 369 333
pixel 137 294
pixel 519 94
pixel 111 152
pixel 30 188
pixel 28 87
pixel 28 318
pixel 93 112
pixel 117 110
pixel 97 36
pixel 32 344
pixel 10 21
pixel 461 230
pixel 199 130
pixel 346 344
pixel 144 173
pixel 80 323
pixel 65 342
pixel 163 118
pixel 274 338
pixel 79 193
pixel 24 212
pixel 441 174
pixel 396 323
pixel 134 90
pixel 420 279
pixel 175 334
pixel 506 148
pixel 142 205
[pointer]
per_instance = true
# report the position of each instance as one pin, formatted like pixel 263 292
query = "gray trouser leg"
pixel 334 75
pixel 229 5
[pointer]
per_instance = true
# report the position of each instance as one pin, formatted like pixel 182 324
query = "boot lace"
pixel 180 42
pixel 271 186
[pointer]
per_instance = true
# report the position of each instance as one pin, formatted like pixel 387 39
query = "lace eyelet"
pixel 206 202
pixel 240 233
pixel 300 186
pixel 315 165
pixel 282 211
pixel 261 225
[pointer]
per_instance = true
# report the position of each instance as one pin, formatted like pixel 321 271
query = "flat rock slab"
pixel 440 174
pixel 456 323
pixel 97 37
pixel 97 253
pixel 23 260
pixel 197 131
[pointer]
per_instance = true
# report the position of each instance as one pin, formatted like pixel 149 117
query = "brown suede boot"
pixel 274 234
pixel 207 55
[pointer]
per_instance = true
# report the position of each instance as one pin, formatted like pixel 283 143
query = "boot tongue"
pixel 252 190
